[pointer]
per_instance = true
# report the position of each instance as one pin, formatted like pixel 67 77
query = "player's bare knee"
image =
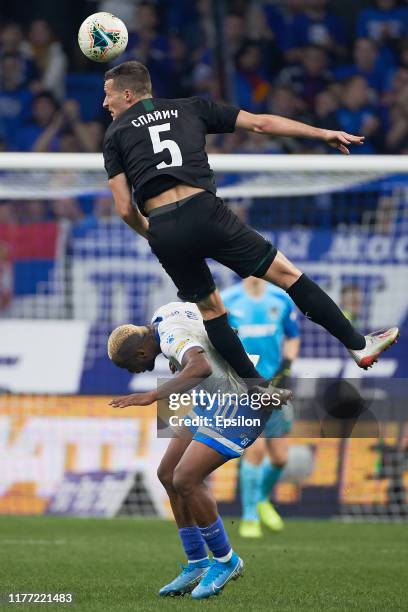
pixel 282 272
pixel 165 475
pixel 212 306
pixel 284 278
pixel 292 277
pixel 209 312
pixel 183 482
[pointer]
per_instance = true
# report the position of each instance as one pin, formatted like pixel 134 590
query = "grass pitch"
pixel 120 565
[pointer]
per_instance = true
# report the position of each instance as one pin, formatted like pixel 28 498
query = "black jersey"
pixel 163 137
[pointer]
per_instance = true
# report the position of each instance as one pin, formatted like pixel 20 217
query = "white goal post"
pixel 245 163
pixel 54 175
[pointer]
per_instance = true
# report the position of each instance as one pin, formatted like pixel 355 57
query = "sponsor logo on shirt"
pixel 181 345
pixel 191 315
pixel 257 330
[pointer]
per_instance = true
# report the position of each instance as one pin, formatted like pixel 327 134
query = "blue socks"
pixel 257 483
pixel 270 476
pixel 194 540
pixel 251 477
pixel 216 539
pixel 193 544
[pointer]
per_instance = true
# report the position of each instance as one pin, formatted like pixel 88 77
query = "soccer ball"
pixel 102 37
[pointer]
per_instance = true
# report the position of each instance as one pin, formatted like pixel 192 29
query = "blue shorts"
pixel 229 430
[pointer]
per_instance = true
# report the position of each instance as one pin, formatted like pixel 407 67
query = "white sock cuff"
pixel 198 560
pixel 226 558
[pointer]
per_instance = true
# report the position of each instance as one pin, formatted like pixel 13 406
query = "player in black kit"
pixel 155 147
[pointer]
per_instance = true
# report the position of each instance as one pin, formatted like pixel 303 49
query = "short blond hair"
pixel 120 335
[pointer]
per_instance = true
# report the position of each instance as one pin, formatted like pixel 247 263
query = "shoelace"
pixel 213 573
pixel 186 569
pixel 377 333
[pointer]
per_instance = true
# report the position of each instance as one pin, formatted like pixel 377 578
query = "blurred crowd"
pixel 304 59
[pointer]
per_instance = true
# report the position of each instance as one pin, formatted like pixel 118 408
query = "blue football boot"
pixel 217 577
pixel 185 582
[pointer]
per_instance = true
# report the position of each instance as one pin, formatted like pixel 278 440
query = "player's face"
pixel 140 363
pixel 116 101
pixel 142 358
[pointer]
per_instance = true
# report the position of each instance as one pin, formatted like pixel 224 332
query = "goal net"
pixel 70 271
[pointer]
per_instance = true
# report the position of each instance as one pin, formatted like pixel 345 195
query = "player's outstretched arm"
pixel 281 126
pixel 196 367
pixel 123 204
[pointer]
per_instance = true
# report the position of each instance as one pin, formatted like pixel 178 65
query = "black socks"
pixel 317 306
pixel 229 346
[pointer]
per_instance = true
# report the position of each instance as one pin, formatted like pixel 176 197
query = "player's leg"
pixel 176 238
pixel 317 306
pixel 190 536
pixel 226 239
pixel 165 472
pixel 250 481
pixel 196 464
pixel 277 458
pixel 181 239
pixel 223 337
pixel 242 249
pixel 227 343
pixel 272 468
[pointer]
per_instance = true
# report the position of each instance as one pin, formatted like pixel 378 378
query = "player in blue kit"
pixel 224 420
pixel 266 321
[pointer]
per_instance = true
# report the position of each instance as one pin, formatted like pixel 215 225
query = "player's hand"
pixel 136 399
pixel 342 140
pixel 283 380
pixel 282 376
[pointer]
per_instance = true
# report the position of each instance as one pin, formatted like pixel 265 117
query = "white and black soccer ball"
pixel 102 37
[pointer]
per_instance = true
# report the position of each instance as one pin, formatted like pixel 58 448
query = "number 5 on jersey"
pixel 161 145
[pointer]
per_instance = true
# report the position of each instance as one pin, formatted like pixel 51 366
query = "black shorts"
pixel 182 235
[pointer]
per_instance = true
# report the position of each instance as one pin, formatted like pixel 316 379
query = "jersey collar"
pixel 156 328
